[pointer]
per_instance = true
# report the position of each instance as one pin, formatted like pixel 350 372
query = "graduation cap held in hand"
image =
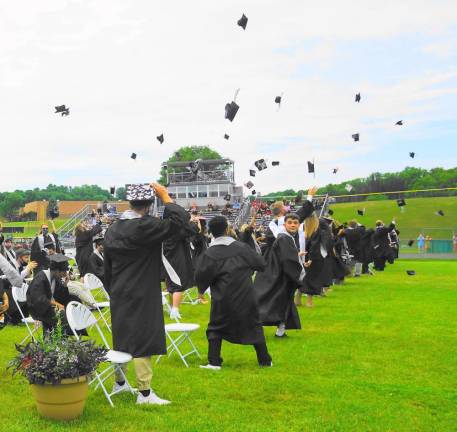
pixel 261 164
pixel 357 97
pixel 243 22
pixel 356 137
pixel 310 167
pixel 161 139
pixel 139 192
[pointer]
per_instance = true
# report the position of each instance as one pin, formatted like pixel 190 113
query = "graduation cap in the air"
pixel 252 173
pixel 412 154
pixel 399 123
pixel 361 212
pixel 348 187
pixel 310 167
pixel 112 189
pixel 226 136
pixel 253 192
pixel 65 113
pixel 61 109
pixel 356 137
pixel 232 108
pixel 278 100
pixel 58 262
pixel 275 163
pixel 410 243
pixel 440 213
pixel 139 192
pixel 249 184
pixel 357 97
pixel 133 156
pixel 330 212
pixel 161 139
pixel 335 170
pixel 243 22
pixel 228 197
pixel 261 164
pixel 410 272
pixel 401 202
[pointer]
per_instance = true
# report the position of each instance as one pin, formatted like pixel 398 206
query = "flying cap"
pixel 60 108
pixel 226 136
pixel 357 97
pixel 249 184
pixel 401 202
pixel 361 212
pixel 253 192
pixel 252 172
pixel 310 167
pixel 399 123
pixel 243 22
pixel 230 110
pixel 139 192
pixel 160 138
pixel 356 137
pixel 412 154
pixel 335 170
pixel 410 243
pixel 133 156
pixel 112 190
pixel 261 164
pixel 275 163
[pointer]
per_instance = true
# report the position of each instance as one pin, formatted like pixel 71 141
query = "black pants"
pixel 214 353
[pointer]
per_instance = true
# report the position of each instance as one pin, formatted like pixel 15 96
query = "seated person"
pixel 96 260
pixel 25 266
pixel 4 305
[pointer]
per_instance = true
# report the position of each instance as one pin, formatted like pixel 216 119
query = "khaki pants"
pixel 143 372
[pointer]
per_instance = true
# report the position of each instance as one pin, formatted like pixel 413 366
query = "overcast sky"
pixel 131 70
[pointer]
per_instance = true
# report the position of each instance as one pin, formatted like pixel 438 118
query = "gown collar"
pixel 222 241
pixel 130 214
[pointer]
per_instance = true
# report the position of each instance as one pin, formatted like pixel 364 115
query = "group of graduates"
pixel 253 281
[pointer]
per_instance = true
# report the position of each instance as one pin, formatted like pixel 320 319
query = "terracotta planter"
pixel 64 401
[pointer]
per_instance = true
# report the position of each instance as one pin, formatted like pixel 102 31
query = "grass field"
pixel 379 354
pixel 31 229
pixel 418 216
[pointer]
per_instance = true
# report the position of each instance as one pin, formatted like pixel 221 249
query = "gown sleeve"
pixel 205 273
pixel 108 272
pixel 255 261
pixel 305 211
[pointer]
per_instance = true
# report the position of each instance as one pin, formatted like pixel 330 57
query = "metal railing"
pixel 69 226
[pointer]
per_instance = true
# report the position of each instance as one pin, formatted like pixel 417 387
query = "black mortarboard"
pixel 361 212
pixel 278 99
pixel 252 173
pixel 133 156
pixel 48 244
pixel 161 139
pixel 275 163
pixel 412 154
pixel 230 110
pixel 261 164
pixel 58 262
pixel 112 189
pixel 65 113
pixel 410 272
pixel 249 184
pixel 139 192
pixel 310 167
pixel 440 213
pixel 357 97
pixel 228 197
pixel 243 22
pixel 335 170
pixel 253 192
pixel 60 108
pixel 410 243
pixel 401 202
pixel 226 136
pixel 330 212
pixel 356 137
pixel 399 123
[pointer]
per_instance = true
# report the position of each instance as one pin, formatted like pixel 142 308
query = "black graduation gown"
pixel 132 252
pixel 39 296
pixel 366 246
pixel 353 240
pixel 200 245
pixel 96 266
pixel 234 313
pixel 85 247
pixel 177 251
pixel 275 287
pixel 38 255
pixel 320 272
pixel 382 249
pixel 247 237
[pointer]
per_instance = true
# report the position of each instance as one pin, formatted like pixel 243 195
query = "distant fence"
pixel 13 229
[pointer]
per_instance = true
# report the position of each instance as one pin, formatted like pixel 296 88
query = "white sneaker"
pixel 117 388
pixel 211 367
pixel 174 313
pixel 281 330
pixel 151 399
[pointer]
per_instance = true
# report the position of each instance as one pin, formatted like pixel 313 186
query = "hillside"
pixel 418 216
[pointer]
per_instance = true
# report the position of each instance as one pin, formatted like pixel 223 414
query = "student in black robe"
pixel 178 263
pixel 40 244
pixel 317 259
pixel 353 234
pixel 133 255
pixel 198 246
pixel 84 235
pixel 96 260
pixel 382 250
pixel 366 250
pixel 247 233
pixel 394 240
pixel 227 267
pixel 48 294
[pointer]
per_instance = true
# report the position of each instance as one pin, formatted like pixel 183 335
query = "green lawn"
pixel 31 229
pixel 379 353
pixel 419 215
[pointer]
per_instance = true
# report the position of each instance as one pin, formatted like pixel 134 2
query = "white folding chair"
pixel 80 317
pixel 95 285
pixel 20 296
pixel 165 303
pixel 188 299
pixel 183 330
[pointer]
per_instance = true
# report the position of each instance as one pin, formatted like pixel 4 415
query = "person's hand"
pixel 312 190
pixel 301 253
pixel 32 265
pixel 59 306
pixel 161 192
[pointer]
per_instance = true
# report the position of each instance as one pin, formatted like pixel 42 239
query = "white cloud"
pixel 132 70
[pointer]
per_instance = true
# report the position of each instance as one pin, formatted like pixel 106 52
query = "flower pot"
pixel 63 401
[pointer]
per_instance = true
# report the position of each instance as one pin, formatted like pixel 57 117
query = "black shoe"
pixel 264 365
